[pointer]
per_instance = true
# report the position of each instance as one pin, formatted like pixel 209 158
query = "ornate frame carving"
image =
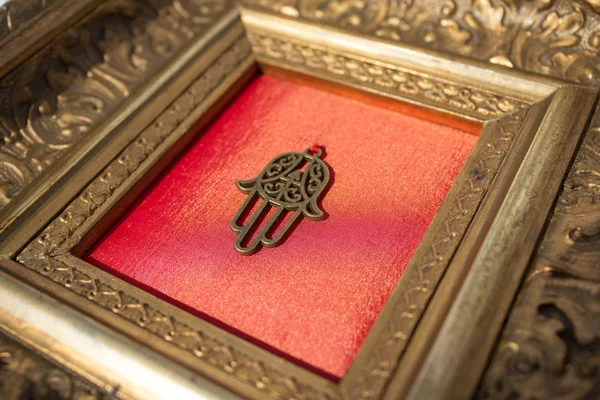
pixel 26 373
pixel 50 101
pixel 550 343
pixel 559 38
pixel 100 123
pixel 18 37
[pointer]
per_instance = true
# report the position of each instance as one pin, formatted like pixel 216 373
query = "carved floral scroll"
pixel 50 102
pixel 560 38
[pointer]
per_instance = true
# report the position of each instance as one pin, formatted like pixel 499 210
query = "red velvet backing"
pixel 316 296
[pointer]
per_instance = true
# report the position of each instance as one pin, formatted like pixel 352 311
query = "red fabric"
pixel 316 296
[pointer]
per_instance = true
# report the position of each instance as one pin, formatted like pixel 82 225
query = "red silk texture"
pixel 315 297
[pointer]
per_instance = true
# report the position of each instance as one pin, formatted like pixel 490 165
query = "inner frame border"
pixel 256 374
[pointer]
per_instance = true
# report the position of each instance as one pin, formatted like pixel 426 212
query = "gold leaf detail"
pixel 522 34
pixel 595 4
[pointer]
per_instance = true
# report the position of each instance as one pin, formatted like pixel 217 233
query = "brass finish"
pixel 78 82
pixel 26 26
pixel 391 71
pixel 550 343
pixel 54 347
pixel 390 336
pixel 559 38
pixel 123 115
pixel 495 253
pixel 471 126
pixel 23 370
pixel 290 183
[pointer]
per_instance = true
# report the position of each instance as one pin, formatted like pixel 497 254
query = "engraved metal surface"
pixel 49 256
pixel 291 183
pixel 560 38
pixel 56 99
pixel 16 15
pixel 25 374
pixel 550 347
pixel 326 62
pixel 237 363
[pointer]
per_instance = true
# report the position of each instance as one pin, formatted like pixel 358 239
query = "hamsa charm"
pixel 291 183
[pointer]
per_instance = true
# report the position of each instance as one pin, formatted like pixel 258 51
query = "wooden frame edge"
pixel 480 295
pixel 81 357
pixel 20 41
pixel 543 347
pixel 114 79
pixel 546 113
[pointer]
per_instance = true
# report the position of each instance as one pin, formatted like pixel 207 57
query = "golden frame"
pixel 457 289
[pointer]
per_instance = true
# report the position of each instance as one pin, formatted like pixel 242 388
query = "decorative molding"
pixel 48 104
pixel 560 38
pixel 43 254
pixel 426 270
pixel 55 99
pixel 16 15
pixel 26 374
pixel 551 344
pixel 131 158
pixel 396 81
pixel 46 255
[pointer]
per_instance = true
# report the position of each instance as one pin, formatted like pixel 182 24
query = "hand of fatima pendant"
pixel 290 183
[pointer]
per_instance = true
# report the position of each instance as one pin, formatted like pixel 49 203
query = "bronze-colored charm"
pixel 290 183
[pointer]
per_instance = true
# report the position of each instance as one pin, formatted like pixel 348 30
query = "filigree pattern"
pixel 284 186
pixel 47 104
pixel 278 174
pixel 551 345
pixel 428 89
pixel 25 374
pixel 44 254
pixel 554 37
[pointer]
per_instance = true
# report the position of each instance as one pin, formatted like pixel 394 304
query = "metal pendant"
pixel 290 183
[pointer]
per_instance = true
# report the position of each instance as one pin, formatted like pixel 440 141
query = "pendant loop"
pixel 315 151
